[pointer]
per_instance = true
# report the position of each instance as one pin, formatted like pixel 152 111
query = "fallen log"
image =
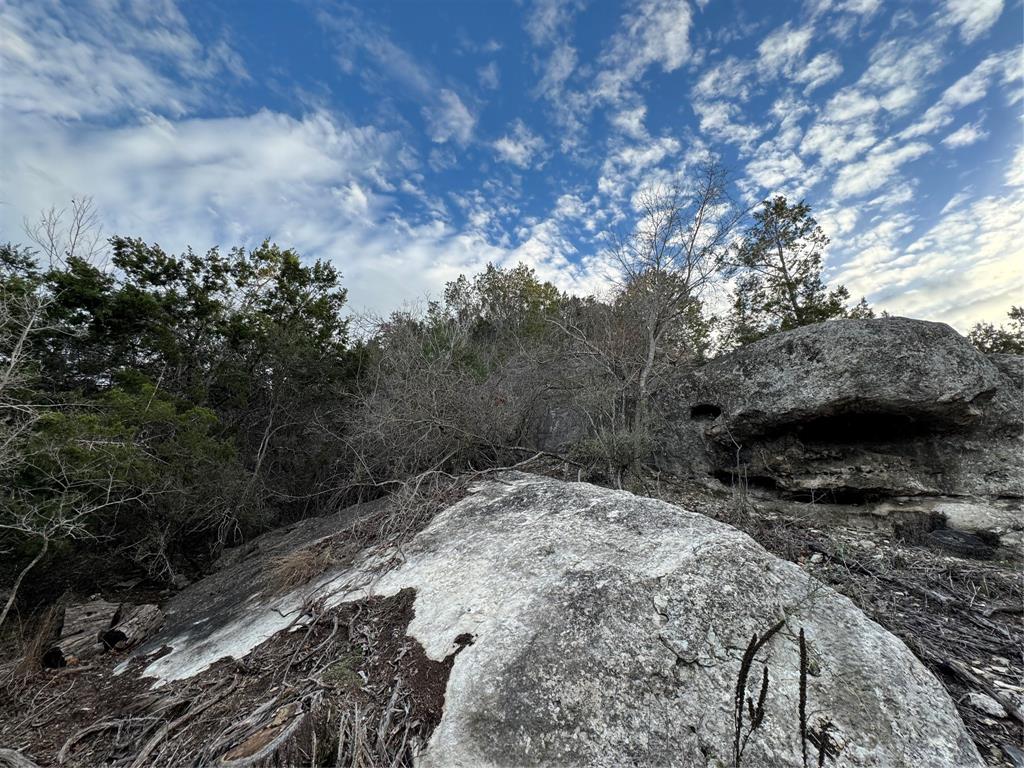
pixel 960 670
pixel 81 636
pixel 137 623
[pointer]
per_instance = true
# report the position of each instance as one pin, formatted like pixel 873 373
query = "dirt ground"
pixel 349 688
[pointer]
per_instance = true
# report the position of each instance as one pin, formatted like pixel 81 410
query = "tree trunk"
pixel 21 577
pixel 790 287
pixel 640 419
pixel 137 623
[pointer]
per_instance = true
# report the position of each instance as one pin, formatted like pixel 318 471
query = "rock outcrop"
pixel 858 411
pixel 915 372
pixel 586 626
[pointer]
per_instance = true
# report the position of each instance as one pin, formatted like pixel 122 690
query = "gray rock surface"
pixel 856 409
pixel 986 704
pixel 911 369
pixel 609 629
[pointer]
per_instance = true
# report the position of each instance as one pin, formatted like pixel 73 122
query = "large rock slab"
pixel 608 629
pixel 854 409
pixel 912 369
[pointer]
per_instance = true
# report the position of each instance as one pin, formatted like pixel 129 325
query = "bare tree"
pixel 667 261
pixel 23 316
pixel 61 234
pixel 623 349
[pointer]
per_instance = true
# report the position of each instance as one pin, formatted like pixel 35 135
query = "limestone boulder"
pixel 593 627
pixel 914 370
pixel 610 629
pixel 855 409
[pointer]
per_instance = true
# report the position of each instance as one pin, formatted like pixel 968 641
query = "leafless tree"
pixel 668 259
pixel 23 312
pixel 21 317
pixel 622 349
pixel 61 234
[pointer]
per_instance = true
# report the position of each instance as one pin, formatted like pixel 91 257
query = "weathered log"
pixel 82 633
pixel 137 623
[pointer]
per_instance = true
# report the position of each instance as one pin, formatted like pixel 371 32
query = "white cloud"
pixel 732 78
pixel 655 32
pixel 559 66
pixel 875 170
pixel 782 50
pixel 968 89
pixel 955 201
pixel 357 38
pixel 449 119
pixel 974 17
pixel 547 18
pixel 861 7
pixel 632 160
pixel 93 59
pixel 895 79
pixel 965 135
pixel 1015 173
pixel 717 120
pixel 488 76
pixel 821 69
pixel 631 122
pixel 519 147
pixel 895 196
pixel 963 269
pixel 780 172
pixel 838 143
pixel 315 184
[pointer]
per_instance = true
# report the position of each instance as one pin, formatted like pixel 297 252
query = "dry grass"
pixel 300 566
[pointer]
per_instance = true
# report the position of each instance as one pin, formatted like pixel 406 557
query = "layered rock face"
pixel 857 410
pixel 594 627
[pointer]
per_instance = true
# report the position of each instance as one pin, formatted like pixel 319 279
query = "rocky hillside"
pixel 828 575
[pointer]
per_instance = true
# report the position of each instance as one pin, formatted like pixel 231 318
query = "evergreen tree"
pixel 779 286
pixel 1005 340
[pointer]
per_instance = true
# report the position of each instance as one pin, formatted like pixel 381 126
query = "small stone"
pixel 180 581
pixel 817 557
pixel 986 704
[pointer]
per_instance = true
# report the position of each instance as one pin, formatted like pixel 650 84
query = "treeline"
pixel 157 408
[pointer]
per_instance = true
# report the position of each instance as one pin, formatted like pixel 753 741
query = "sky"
pixel 409 142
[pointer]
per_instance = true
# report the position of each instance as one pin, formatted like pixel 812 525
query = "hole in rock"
pixel 731 477
pixel 868 428
pixel 841 495
pixel 705 412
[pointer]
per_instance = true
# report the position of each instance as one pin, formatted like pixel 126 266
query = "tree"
pixel 452 386
pixel 1005 340
pixel 162 405
pixel 622 351
pixel 779 264
pixel 666 262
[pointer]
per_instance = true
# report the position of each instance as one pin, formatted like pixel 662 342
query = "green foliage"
pixel 141 471
pixel 453 387
pixel 779 286
pixel 1004 339
pixel 499 304
pixel 178 401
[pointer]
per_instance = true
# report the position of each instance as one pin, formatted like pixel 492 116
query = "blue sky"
pixel 411 141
